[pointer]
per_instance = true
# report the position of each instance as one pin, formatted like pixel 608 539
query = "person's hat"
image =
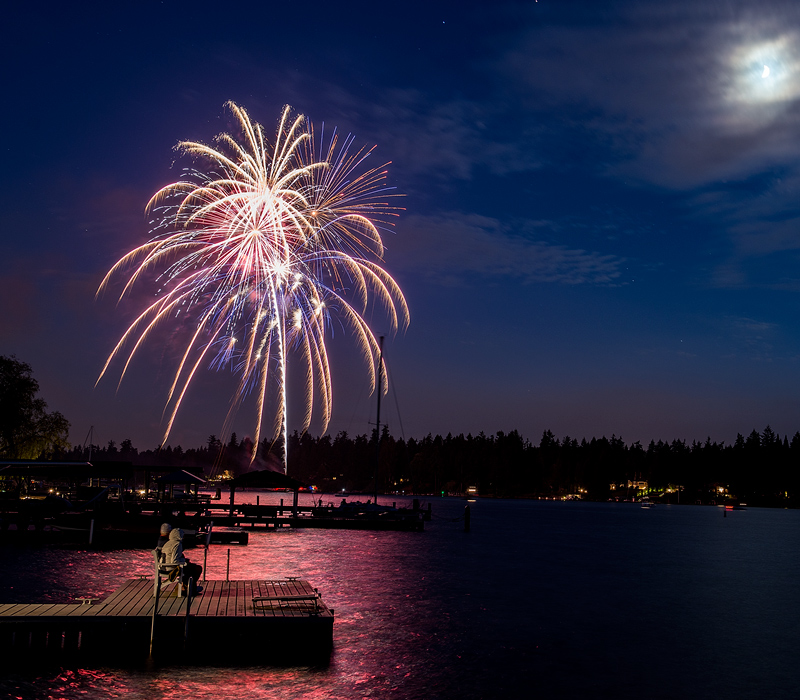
pixel 165 528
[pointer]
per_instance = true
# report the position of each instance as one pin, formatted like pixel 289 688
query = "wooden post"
pixel 205 553
pixel 228 569
pixel 233 492
pixel 91 530
pixel 294 506
pixel 189 584
pixel 157 580
pixel 466 518
pixel 258 500
pixel 155 606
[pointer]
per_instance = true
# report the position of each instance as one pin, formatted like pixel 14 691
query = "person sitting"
pixel 163 538
pixel 173 554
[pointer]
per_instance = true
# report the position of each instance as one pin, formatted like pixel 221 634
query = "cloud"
pixel 445 138
pixel 749 337
pixel 448 139
pixel 761 217
pixel 454 246
pixel 677 87
pixel 751 327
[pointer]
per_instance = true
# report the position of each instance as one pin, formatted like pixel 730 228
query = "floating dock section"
pixel 227 621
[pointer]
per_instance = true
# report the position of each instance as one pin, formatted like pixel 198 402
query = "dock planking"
pixel 288 616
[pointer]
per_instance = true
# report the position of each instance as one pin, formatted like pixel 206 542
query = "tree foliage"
pixel 761 469
pixel 27 430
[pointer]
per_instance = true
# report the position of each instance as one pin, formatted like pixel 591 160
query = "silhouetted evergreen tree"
pixel 762 469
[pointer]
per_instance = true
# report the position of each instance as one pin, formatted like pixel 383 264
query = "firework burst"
pixel 259 249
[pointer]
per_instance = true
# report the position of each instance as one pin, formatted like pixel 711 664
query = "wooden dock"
pixel 228 621
pixel 232 522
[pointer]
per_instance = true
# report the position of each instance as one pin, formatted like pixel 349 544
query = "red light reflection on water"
pixel 535 590
pixel 67 684
pixel 376 581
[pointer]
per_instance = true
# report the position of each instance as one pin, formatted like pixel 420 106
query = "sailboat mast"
pixel 89 437
pixel 378 419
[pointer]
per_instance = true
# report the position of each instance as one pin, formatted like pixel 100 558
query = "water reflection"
pixel 548 599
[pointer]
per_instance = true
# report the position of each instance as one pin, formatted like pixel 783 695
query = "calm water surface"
pixel 540 599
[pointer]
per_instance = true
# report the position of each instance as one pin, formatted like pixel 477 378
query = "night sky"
pixel 601 216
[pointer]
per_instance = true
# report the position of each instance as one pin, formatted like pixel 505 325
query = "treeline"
pixel 761 469
pixel 214 458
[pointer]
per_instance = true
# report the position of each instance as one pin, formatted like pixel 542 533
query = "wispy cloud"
pixel 440 137
pixel 455 247
pixel 677 86
pixel 750 337
pixel 762 221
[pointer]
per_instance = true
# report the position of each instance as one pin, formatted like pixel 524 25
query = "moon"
pixel 765 72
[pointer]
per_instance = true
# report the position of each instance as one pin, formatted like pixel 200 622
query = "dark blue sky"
pixel 601 225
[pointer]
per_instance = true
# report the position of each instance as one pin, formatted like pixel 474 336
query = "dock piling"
pixel 228 569
pixel 233 496
pixel 205 553
pixel 155 611
pixel 189 591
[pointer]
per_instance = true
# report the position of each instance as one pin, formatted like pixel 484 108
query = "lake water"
pixel 541 599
